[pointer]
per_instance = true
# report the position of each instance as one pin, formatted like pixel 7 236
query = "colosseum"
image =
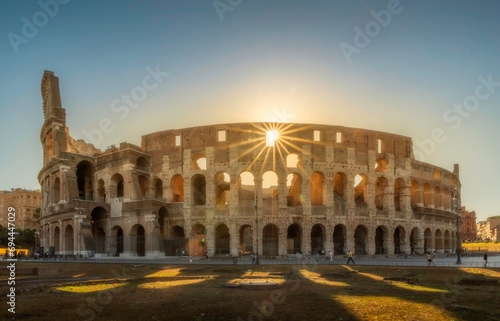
pixel 233 189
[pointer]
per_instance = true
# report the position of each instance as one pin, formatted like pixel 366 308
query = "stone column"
pixel 233 192
pixel 234 238
pixel 129 192
pixel 390 242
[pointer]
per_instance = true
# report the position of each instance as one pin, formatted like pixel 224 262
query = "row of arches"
pixel 173 242
pixel 386 193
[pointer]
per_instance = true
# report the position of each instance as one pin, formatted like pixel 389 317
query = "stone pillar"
pixel 153 235
pixel 282 234
pixel 328 239
pixel 370 196
pixel 61 238
pixel 129 192
pixel 210 241
pixel 234 238
pixel 405 201
pixel 233 192
pixel 165 169
pixel 389 198
pixel 406 247
pixel 370 240
pixel 306 238
pixel 349 196
pixel 390 242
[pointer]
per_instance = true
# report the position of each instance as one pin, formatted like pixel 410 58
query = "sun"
pixel 271 137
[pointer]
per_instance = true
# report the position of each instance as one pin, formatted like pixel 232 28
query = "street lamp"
pixel 257 227
pixel 456 200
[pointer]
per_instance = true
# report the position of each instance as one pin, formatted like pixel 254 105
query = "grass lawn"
pixel 483 246
pixel 303 292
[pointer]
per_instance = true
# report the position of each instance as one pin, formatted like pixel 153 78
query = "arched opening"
pixel 360 188
pixel 198 162
pixel 380 192
pixel 293 239
pixel 270 240
pixel 339 185
pixel 437 174
pixel 101 191
pixel 339 239
pixel 399 186
pixel 142 164
pixel 199 189
pixel 138 240
pixel 427 195
pixel 222 240
pixel 317 233
pixel 85 177
pixel 382 165
pixel 246 239
pixel 438 197
pixel 177 185
pixel 246 190
pixel 399 240
pixel 175 243
pixel 360 238
pixel 317 188
pixel 143 186
pixel 68 240
pixel 117 240
pixel 199 240
pixel 294 184
pixel 381 240
pixel 439 240
pixel 158 189
pixel 222 189
pixel 415 193
pixel 270 192
pixel 98 222
pixel 116 186
pixel 415 242
pixel 292 161
pixel 428 240
pixel 57 190
pixel 57 236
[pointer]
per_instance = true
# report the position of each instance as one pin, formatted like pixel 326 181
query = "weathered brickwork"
pixel 317 188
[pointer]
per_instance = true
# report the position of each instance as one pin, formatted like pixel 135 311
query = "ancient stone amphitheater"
pixel 234 188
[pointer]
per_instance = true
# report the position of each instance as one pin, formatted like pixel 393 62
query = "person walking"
pixel 309 257
pixel 330 255
pixel 485 258
pixel 350 258
pixel 434 258
pixel 317 257
pixel 429 259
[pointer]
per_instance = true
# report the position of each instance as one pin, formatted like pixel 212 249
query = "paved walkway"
pixel 493 261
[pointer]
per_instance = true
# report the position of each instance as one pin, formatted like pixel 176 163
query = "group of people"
pixel 300 257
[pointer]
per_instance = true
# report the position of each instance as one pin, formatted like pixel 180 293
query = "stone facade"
pixel 469 228
pixel 488 230
pixel 25 202
pixel 227 190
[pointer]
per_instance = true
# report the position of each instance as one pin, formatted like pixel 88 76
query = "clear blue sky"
pixel 263 59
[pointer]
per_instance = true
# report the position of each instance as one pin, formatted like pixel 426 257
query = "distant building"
pixel 468 225
pixel 25 203
pixel 489 230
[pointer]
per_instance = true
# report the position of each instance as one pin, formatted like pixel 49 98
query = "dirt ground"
pixel 71 291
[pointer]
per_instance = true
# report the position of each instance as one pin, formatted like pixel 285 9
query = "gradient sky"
pixel 266 60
